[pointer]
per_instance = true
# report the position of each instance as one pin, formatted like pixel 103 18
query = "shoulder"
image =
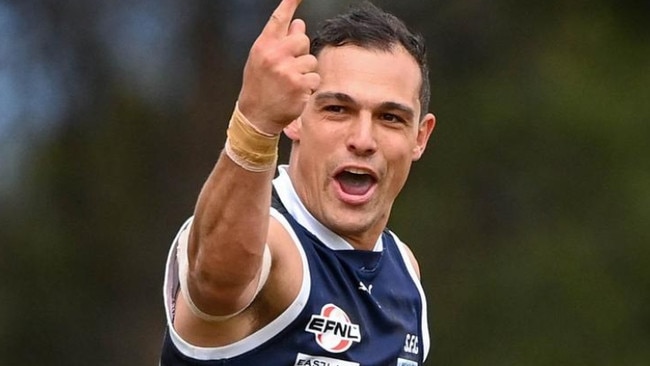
pixel 411 258
pixel 407 253
pixel 286 273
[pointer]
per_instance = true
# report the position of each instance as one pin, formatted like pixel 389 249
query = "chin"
pixel 351 222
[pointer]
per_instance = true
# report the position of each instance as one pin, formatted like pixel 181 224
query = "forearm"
pixel 233 207
pixel 228 237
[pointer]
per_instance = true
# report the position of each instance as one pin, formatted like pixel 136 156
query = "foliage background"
pixel 529 212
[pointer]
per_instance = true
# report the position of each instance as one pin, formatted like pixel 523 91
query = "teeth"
pixel 355 171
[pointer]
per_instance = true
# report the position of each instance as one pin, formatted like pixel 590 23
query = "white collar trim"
pixel 289 197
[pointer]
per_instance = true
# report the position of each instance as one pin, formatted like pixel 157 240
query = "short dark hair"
pixel 370 27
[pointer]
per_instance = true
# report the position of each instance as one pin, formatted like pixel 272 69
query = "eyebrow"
pixel 342 97
pixel 394 106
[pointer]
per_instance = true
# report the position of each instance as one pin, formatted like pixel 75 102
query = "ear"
pixel 292 130
pixel 424 132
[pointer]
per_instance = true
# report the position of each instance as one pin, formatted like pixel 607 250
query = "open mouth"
pixel 355 182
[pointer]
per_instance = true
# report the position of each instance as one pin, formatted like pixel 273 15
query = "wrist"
pixel 258 118
pixel 250 147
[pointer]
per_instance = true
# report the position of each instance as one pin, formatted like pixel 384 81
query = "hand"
pixel 280 74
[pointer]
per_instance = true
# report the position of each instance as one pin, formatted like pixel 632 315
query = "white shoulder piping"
pixel 426 341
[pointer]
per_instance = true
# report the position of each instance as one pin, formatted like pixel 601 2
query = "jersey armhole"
pixel 257 339
pixel 404 251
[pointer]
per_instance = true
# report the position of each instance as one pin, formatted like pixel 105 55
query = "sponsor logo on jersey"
pixel 363 287
pixel 333 329
pixel 309 360
pixel 405 362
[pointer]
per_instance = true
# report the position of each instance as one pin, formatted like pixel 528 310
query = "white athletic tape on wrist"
pixel 183 268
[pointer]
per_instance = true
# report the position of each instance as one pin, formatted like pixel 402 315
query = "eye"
pixel 334 108
pixel 389 117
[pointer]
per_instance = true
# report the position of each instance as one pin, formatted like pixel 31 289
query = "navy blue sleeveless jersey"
pixel 354 307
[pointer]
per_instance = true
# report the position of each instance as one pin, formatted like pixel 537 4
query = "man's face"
pixel 357 138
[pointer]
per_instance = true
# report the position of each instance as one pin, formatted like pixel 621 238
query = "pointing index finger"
pixel 279 22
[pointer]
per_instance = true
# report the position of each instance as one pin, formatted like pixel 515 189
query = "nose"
pixel 361 136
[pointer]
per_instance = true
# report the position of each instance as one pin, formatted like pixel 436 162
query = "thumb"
pixel 297 26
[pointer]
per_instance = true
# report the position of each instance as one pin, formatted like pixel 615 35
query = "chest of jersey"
pixel 363 308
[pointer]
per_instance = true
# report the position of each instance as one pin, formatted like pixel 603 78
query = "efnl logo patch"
pixel 333 329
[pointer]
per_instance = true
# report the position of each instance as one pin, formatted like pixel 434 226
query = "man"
pixel 317 279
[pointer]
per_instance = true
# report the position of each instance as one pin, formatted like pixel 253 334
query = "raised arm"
pixel 229 232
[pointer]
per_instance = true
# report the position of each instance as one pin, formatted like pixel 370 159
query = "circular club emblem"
pixel 333 329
